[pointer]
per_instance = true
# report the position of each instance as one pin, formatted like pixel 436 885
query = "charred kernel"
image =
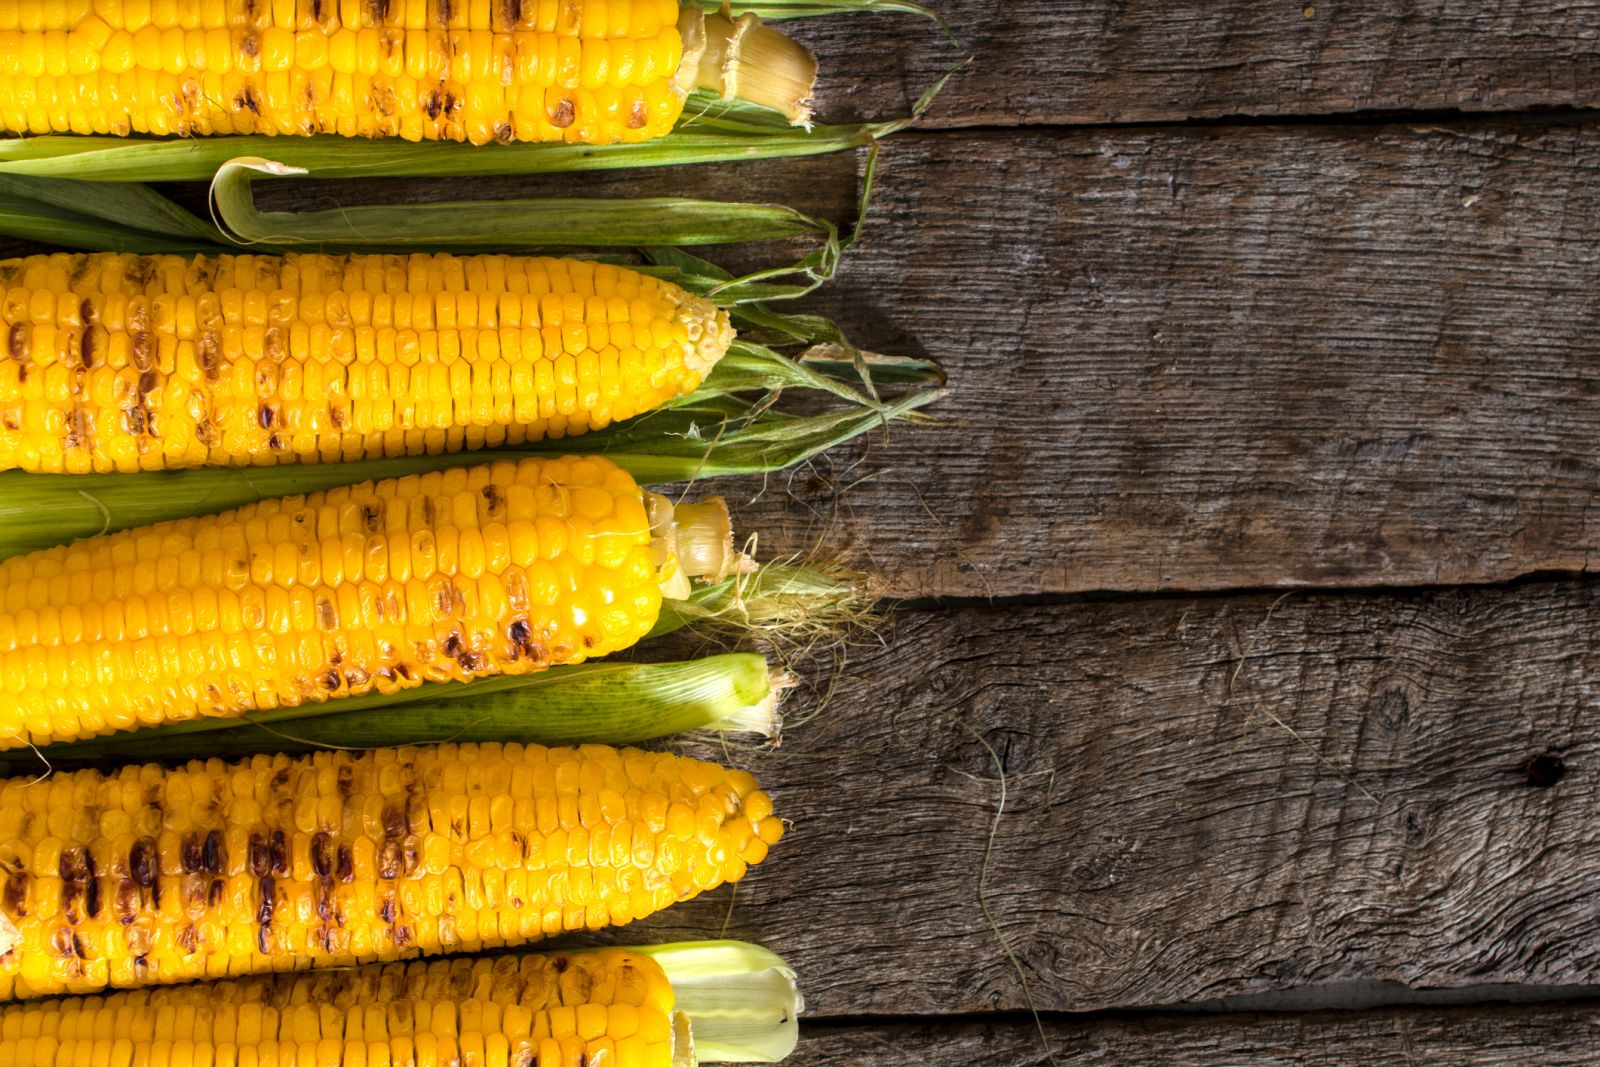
pixel 191 853
pixel 142 863
pixel 322 853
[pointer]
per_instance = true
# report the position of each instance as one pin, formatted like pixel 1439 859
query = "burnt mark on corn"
pixel 503 133
pixel 260 855
pixel 378 10
pixel 75 865
pixel 139 349
pixel 510 12
pixel 61 942
pixel 344 781
pixel 325 899
pixel 265 416
pixel 245 99
pixel 14 896
pixel 214 854
pixel 394 822
pixel 125 901
pixel 89 346
pixel 280 853
pixel 387 910
pixel 148 382
pixel 17 342
pixel 564 114
pixel 560 963
pixel 372 516
pixel 209 350
pixel 433 104
pixel 142 866
pixel 214 894
pixel 275 443
pixel 250 45
pixel 336 417
pixel 638 116
pixel 493 499
pixel 188 938
pixel 322 853
pixel 391 860
pixel 332 680
pixel 345 868
pixel 141 271
pixel 401 936
pixel 191 853
pixel 445 11
pixel 269 901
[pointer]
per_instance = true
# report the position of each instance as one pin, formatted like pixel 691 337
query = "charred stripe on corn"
pixel 591 71
pixel 150 875
pixel 501 568
pixel 607 1007
pixel 112 362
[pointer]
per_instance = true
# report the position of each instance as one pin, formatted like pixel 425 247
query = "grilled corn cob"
pixel 116 362
pixel 150 876
pixel 502 568
pixel 717 1001
pixel 609 1007
pixel 591 71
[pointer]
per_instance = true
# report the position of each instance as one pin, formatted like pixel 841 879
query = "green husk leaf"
pixel 712 131
pixel 589 703
pixel 494 224
pixel 789 9
pixel 742 1001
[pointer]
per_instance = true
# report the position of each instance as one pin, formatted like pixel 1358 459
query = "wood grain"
pixel 1039 62
pixel 1551 1036
pixel 1432 819
pixel 1208 359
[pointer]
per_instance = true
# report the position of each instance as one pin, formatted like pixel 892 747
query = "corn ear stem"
pixel 589 703
pixel 742 1001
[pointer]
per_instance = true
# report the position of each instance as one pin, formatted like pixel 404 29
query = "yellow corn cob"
pixel 592 71
pixel 607 1008
pixel 149 876
pixel 502 568
pixel 120 362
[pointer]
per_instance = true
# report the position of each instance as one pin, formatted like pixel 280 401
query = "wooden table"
pixel 1243 664
pixel 1248 572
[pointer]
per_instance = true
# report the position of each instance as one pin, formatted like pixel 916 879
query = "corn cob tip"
pixel 710 333
pixel 741 58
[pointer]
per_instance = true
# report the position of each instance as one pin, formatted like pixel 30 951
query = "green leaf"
pixel 494 224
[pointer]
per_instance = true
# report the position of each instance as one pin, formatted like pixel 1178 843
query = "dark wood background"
pixel 1238 703
pixel 1253 555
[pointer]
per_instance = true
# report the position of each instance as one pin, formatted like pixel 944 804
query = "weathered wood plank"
pixel 1040 62
pixel 1552 1036
pixel 1202 359
pixel 1431 820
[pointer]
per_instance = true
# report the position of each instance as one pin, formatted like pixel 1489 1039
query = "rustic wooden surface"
pixel 1249 565
pixel 1555 1036
pixel 1056 62
pixel 1204 798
